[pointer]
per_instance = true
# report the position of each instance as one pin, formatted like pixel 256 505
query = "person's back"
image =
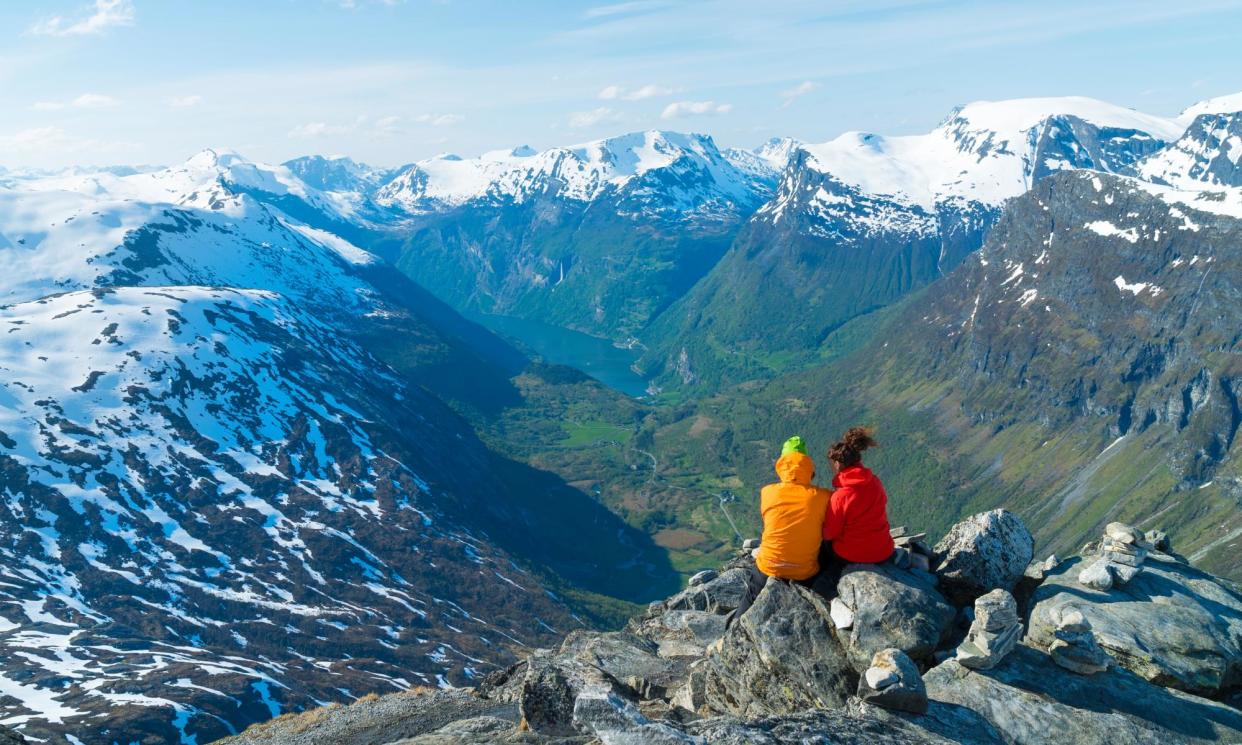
pixel 793 517
pixel 856 522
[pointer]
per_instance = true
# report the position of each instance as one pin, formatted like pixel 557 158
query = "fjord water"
pixel 599 358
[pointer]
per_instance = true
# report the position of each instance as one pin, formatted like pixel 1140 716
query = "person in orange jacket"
pixel 856 522
pixel 793 515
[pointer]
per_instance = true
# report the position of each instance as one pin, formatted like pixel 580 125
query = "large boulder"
pixel 889 607
pixel 1171 624
pixel 1029 700
pixel 630 660
pixel 733 589
pixel 779 657
pixel 984 552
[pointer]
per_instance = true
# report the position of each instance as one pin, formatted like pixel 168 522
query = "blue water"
pixel 592 355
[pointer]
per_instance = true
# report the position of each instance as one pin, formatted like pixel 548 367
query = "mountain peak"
pixel 1227 104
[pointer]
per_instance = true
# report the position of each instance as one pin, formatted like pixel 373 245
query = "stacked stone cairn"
pixel 1122 551
pixel 1074 646
pixel 910 550
pixel 993 633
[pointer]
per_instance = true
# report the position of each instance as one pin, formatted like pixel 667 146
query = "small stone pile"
pixel 1074 646
pixel 1122 551
pixel 893 681
pixel 994 632
pixel 910 550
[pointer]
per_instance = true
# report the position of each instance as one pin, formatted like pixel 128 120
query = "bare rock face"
pixel 1030 699
pixel 984 552
pixel 889 607
pixel 780 657
pixel 1171 624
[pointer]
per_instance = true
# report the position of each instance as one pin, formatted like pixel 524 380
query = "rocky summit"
pixel 891 654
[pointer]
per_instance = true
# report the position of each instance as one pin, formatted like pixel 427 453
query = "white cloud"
pixel 618 9
pixel 84 101
pixel 613 92
pixel 439 120
pixel 798 91
pixel 43 141
pixel 96 19
pixel 648 91
pixel 94 101
pixel 184 102
pixel 695 108
pixel 363 126
pixel 581 119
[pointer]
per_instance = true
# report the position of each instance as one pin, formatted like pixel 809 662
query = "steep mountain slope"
pixel 1081 368
pixel 598 237
pixel 860 221
pixel 205 487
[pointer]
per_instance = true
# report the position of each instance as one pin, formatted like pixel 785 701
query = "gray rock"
pixel 891 608
pixel 842 615
pixel 1032 701
pixel 732 590
pixel 895 683
pixel 706 575
pixel 993 632
pixel 984 552
pixel 1097 575
pixel 1123 533
pixel 692 695
pixel 1159 540
pixel 1171 624
pixel 750 544
pixel 681 633
pixel 551 688
pixel 368 721
pixel 628 659
pixel 779 657
pixel 996 610
pixel 1079 653
pixel 865 726
pixel 1123 573
pixel 879 678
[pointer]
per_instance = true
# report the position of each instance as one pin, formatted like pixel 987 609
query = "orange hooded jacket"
pixel 793 518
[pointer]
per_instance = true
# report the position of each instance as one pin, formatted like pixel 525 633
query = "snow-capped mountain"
pixel 666 171
pixel 1208 156
pixel 599 237
pixel 213 484
pixel 875 217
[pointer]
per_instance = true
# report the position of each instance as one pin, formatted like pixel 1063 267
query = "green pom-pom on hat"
pixel 793 445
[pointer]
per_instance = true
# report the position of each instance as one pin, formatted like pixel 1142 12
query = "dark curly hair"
pixel 848 451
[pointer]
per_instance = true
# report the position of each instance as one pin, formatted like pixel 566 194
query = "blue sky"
pixel 153 81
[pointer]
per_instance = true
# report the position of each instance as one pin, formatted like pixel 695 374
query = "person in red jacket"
pixel 856 522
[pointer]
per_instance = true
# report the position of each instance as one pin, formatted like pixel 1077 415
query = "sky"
pixel 98 82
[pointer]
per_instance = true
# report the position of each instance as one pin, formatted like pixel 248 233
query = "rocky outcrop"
pixel 780 657
pixel 880 606
pixel 1030 699
pixel 1171 624
pixel 986 551
pixel 741 659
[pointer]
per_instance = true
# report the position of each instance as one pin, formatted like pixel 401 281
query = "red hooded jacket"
pixel 857 517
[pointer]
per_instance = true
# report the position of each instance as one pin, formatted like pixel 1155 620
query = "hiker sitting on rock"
pixel 793 517
pixel 856 522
